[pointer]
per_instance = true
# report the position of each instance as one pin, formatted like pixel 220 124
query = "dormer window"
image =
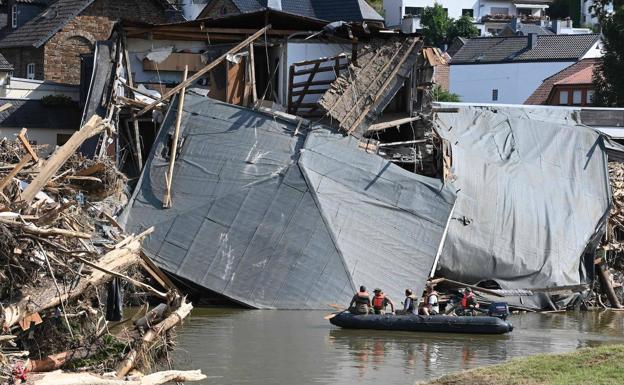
pixel 14 16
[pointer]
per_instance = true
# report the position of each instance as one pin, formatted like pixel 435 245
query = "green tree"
pixel 462 27
pixel 609 76
pixel 439 29
pixel 441 95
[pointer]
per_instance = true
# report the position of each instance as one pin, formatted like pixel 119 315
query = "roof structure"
pixel 584 76
pixel 42 27
pixel 5 65
pixel 525 29
pixel 275 215
pixel 483 50
pixel 329 10
pixel 36 114
pixel 540 95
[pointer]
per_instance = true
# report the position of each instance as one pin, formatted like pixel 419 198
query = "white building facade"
pixel 483 79
pixel 488 15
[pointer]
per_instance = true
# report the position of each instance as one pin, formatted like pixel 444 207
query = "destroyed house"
pixel 49 46
pixel 346 10
pixel 264 208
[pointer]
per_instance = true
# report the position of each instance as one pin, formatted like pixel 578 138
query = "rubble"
pixel 67 268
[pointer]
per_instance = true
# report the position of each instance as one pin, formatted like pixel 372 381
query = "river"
pixel 300 347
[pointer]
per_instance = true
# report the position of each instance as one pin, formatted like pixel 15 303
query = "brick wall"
pixel 218 8
pixel 62 52
pixel 21 57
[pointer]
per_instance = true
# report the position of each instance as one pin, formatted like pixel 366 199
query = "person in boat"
pixel 469 301
pixel 410 304
pixel 431 305
pixel 361 302
pixel 381 301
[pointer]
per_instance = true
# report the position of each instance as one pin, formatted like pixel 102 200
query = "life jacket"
pixel 378 301
pixel 413 302
pixel 429 296
pixel 362 298
pixel 467 300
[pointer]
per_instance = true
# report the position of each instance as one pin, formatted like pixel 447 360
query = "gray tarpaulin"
pixel 271 218
pixel 533 192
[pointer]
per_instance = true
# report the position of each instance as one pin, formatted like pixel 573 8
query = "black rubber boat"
pixel 418 323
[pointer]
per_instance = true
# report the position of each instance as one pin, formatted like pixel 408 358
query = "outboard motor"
pixel 499 309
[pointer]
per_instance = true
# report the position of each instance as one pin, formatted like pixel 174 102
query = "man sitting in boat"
pixel 410 305
pixel 380 301
pixel 361 302
pixel 430 306
pixel 468 302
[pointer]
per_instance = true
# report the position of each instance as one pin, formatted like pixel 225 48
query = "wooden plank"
pixel 291 78
pixel 206 69
pixel 93 127
pixel 174 146
pixel 252 74
pixel 303 92
pixel 91 170
pixel 26 144
pixel 235 82
pixel 18 167
pixel 321 69
pixel 321 60
pixel 309 92
pixel 314 83
pixel 394 123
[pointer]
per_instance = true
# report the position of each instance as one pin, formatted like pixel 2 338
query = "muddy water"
pixel 299 347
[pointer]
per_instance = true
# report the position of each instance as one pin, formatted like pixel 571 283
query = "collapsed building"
pixel 301 159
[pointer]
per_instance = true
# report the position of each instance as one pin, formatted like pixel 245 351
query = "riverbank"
pixel 596 366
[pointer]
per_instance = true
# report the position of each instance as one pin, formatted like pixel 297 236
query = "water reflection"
pixel 279 347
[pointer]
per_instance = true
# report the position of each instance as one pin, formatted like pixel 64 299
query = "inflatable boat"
pixel 419 323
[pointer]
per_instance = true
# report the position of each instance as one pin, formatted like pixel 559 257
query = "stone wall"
pixel 78 37
pixel 218 8
pixel 21 57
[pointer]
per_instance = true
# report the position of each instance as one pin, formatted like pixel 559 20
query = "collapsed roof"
pixel 276 215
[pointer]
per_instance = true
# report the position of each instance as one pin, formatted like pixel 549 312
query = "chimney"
pixel 556 26
pixel 532 40
pixel 515 24
pixel 274 4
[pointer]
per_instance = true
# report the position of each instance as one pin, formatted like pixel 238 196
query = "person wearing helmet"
pixel 380 301
pixel 361 302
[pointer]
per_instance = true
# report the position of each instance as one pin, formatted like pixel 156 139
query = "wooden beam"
pixel 394 123
pixel 206 69
pixel 26 144
pixel 174 145
pixel 18 167
pixel 93 127
pixel 252 74
pixel 321 69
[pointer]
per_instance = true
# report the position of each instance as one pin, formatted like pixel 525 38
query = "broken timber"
pixel 204 70
pixel 174 146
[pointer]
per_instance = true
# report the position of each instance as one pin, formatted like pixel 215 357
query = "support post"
pixel 174 145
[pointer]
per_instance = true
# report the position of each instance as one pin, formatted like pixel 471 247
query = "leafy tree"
pixel 435 23
pixel 560 9
pixel 609 76
pixel 439 29
pixel 462 27
pixel 441 95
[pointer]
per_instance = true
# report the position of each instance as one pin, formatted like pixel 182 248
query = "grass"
pixel 589 366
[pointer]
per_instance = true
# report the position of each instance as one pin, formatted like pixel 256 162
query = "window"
pixel 563 97
pixel 494 95
pixel 468 12
pixel 590 97
pixel 30 71
pixel 499 11
pixel 414 11
pixel 14 16
pixel 577 97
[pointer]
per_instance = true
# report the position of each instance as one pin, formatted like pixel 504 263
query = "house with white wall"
pixel 490 16
pixel 587 13
pixel 508 69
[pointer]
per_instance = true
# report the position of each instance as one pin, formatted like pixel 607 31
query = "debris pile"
pixel 67 270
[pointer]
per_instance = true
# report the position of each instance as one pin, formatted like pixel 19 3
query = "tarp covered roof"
pixel 533 192
pixel 275 217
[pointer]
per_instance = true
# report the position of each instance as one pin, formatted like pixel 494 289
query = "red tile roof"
pixel 584 76
pixel 540 95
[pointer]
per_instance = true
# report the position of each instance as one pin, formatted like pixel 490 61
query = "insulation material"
pixel 533 193
pixel 274 219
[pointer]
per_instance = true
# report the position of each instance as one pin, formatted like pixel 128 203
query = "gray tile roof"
pixel 330 10
pixel 34 114
pixel 526 29
pixel 516 49
pixel 43 26
pixel 5 65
